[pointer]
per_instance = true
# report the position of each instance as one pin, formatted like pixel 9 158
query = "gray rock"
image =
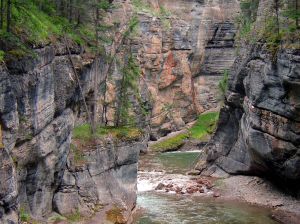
pixel 109 177
pixel 8 189
pixel 259 130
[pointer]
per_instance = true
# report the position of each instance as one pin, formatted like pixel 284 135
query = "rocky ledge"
pixel 39 100
pixel 262 112
pixel 104 176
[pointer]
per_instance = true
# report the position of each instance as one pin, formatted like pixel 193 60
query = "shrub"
pixel 24 216
pixel 223 84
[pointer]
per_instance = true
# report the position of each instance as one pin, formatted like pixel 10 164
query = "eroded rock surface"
pixel 39 102
pixel 183 48
pixel 107 176
pixel 184 60
pixel 258 131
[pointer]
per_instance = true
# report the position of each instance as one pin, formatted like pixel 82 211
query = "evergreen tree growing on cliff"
pixel 128 87
pixel 292 11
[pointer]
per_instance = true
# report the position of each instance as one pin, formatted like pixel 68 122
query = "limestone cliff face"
pixel 258 131
pixel 183 62
pixel 106 179
pixel 40 99
pixel 182 55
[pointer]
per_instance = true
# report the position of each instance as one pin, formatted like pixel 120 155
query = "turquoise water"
pixel 174 209
pixel 171 162
pixel 160 208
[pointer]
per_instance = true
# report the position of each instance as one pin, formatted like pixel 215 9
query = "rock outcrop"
pixel 258 131
pixel 183 62
pixel 183 48
pixel 39 102
pixel 106 176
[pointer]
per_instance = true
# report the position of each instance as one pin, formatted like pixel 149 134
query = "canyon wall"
pixel 258 131
pixel 183 63
pixel 40 101
pixel 183 48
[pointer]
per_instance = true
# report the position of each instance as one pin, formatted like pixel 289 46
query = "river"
pixel 158 207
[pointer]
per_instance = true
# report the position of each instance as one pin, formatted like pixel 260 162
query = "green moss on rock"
pixel 204 126
pixel 124 133
pixel 170 144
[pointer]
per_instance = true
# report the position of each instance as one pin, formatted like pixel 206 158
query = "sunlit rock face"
pixel 183 58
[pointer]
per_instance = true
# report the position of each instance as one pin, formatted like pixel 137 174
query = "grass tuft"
pixel 74 217
pixel 204 126
pixel 24 216
pixel 170 144
pixel 83 132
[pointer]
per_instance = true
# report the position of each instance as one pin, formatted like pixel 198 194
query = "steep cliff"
pixel 183 62
pixel 258 131
pixel 183 49
pixel 40 99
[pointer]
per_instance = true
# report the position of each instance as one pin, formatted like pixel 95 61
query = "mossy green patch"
pixel 170 144
pixel 25 217
pixel 2 54
pixel 204 126
pixel 74 217
pixel 83 132
pixel 201 131
pixel 78 156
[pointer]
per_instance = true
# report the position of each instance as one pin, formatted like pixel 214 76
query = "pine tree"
pixel 8 14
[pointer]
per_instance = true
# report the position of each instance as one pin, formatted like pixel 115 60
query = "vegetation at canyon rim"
pixel 30 24
pixel 82 132
pixel 201 130
pixel 281 25
pixel 84 139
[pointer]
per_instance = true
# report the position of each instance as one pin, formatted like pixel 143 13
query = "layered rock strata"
pixel 106 177
pixel 258 131
pixel 40 99
pixel 183 58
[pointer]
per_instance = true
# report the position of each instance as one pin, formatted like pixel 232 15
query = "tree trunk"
pixel 70 10
pixel 62 8
pixel 277 16
pixel 2 14
pixel 297 12
pixel 95 100
pixel 8 15
pixel 119 107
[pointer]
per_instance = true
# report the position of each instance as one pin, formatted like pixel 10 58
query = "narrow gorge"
pixel 149 111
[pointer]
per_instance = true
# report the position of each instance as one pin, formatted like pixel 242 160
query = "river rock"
pixel 160 186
